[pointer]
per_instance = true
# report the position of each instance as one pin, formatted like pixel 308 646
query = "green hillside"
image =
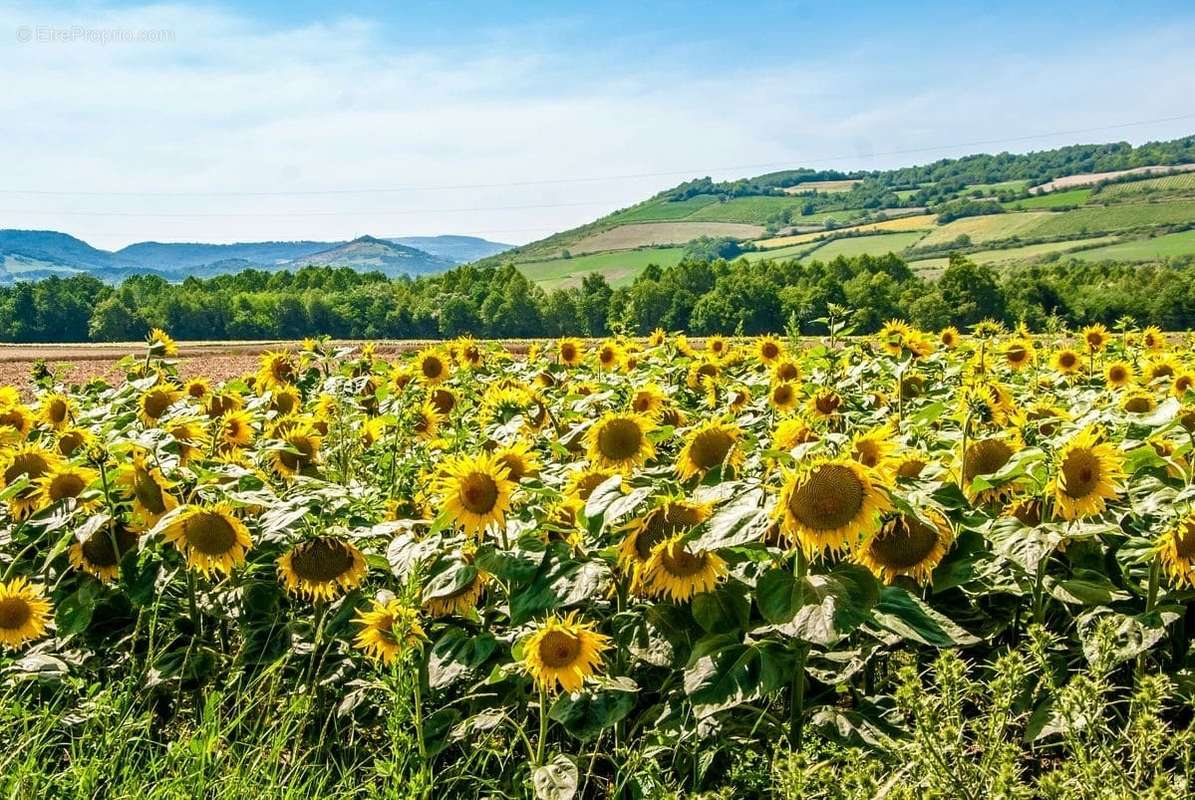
pixel 1091 202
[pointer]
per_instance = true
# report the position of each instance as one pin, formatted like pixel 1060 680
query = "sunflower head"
pixel 30 463
pixel 56 410
pixel 1119 374
pixel 156 401
pixel 101 552
pixel 1067 361
pixel 65 482
pixel 582 483
pixel 648 401
pixel 298 452
pixel 657 337
pixel 825 404
pixel 619 441
pixel 1019 353
pixel 669 517
pixel 1153 339
pixel 826 505
pixel 570 352
pixel 160 344
pixel 73 440
pixel 610 355
pixel 519 459
pixel 563 652
pixel 986 457
pixel 1139 403
pixel 444 399
pixel 785 370
pixel 792 432
pixel 678 572
pixel 235 430
pixel 24 613
pixel 768 349
pixel 388 629
pixel 1175 548
pixel 461 599
pixel 210 538
pixel 711 444
pixel 906 545
pixel 948 337
pixel 1087 474
pixel 1095 337
pixel 783 397
pixel 322 568
pixel 15 422
pixel 277 368
pixel 475 491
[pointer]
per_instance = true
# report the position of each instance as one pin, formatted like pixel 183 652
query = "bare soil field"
pixel 1072 181
pixel 628 237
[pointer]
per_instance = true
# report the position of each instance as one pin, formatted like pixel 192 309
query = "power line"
pixel 594 179
pixel 390 212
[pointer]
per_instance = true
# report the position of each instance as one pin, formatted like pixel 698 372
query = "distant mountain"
pixel 51 248
pixel 173 256
pixel 457 248
pixel 369 253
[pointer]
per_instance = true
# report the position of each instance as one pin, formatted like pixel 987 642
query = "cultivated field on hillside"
pixel 874 245
pixel 628 237
pixel 991 227
pixel 1087 179
pixel 1146 249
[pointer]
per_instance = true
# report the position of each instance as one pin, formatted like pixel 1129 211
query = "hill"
pixel 458 249
pixel 1009 209
pixel 368 253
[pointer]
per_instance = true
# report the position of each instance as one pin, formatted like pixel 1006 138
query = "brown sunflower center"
pixel 1028 512
pixel 589 482
pixel 680 563
pixel 1117 373
pixel 663 522
pixel 57 410
pixel 148 492
pixel 12 419
pixel 782 395
pixel 827 402
pixel 66 485
pixel 559 649
pixel 444 401
pixel 620 439
pixel 516 467
pixel 1080 473
pixel 1138 405
pixel 98 548
pixel 867 452
pixel 478 493
pixel 431 367
pixel 156 403
pixel 210 533
pixel 910 468
pixel 1017 354
pixel 903 542
pixel 305 452
pixel 31 465
pixel 69 442
pixel 830 497
pixel 985 457
pixel 1161 371
pixel 709 448
pixel 787 371
pixel 321 560
pixel 568 351
pixel 15 613
pixel 769 350
pixel 1184 540
pixel 1068 359
pixel 708 371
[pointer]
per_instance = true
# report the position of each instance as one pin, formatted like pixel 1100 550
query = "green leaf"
pixel 723 672
pixel 587 713
pixel 777 595
pixel 455 654
pixel 512 565
pixel 908 617
pixel 74 613
pixel 833 605
pixel 738 522
pixel 556 780
pixel 722 610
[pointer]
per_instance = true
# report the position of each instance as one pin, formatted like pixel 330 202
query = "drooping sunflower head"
pixel 986 457
pixel 1139 403
pixel 72 439
pixel 389 628
pixel 826 505
pixel 907 545
pixel 160 344
pixel 1087 474
pixel 702 373
pixel 563 652
pixel 24 613
pixel 322 568
pixel 1067 361
pixel 30 463
pixel 792 432
pixel 677 571
pixel 286 399
pixel 462 599
pixel 825 404
pixel 1119 374
pixel 911 464
pixel 235 430
pixel 220 404
pixel 657 337
pixel 189 436
pixel 432 367
pixel 711 444
pixel 519 459
pixel 582 483
pixel 1183 383
pixel 210 538
pixel 277 369
pixel 671 516
pixel 475 491
pixel 148 488
pixel 1095 337
pixel 444 399
pixel 101 552
pixel 570 351
pixel 1175 547
pixel 874 448
pixel 56 410
pixel 783 397
pixel 619 441
pixel 298 451
pixel 156 401
pixel 500 403
pixel 65 482
pixel 426 421
pixel 15 422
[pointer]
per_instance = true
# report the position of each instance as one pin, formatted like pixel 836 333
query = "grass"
pixel 620 268
pixel 1069 197
pixel 1012 255
pixel 1168 246
pixel 1099 219
pixel 865 245
pixel 663 210
pixel 757 211
pixel 1001 186
pixel 909 223
pixel 989 228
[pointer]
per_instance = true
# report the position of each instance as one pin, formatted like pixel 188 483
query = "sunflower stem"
pixel 1151 599
pixel 796 712
pixel 420 673
pixel 543 727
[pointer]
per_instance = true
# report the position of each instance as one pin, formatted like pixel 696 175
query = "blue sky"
pixel 283 120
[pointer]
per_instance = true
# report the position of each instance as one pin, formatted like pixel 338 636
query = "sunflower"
pixel 400 377
pixel 768 349
pixel 502 402
pixel 188 434
pixel 783 397
pixel 791 433
pixel 874 448
pixel 15 422
pixel 1139 403
pixel 619 441
pixel 717 346
pixel 570 352
pixel 828 504
pixel 669 517
pixel 825 404
pixel 657 337
pixel 1176 550
pixel 1067 361
pixel 475 491
pixel 609 355
pixel 149 489
pixel 372 431
pixel 322 568
pixel 1089 473
pixel 906 545
pixel 987 457
pixel 785 370
pixel 1157 369
pixel 676 572
pixel 64 482
pixel 299 451
pixel 468 352
pixel 519 459
pixel 582 483
pixel 156 401
pixel 30 462
pixel 427 421
pixel 892 336
pixel 444 399
pixel 710 444
pixel 1019 353
pixel 1026 510
pixel 198 389
pixel 563 652
pixel 277 369
pixel 24 613
pixel 459 601
pixel 211 538
pixel 1153 339
pixel 235 430
pixel 648 401
pixel 55 410
pixel 388 629
pixel 220 404
pixel 285 399
pixel 71 440
pixel 432 366
pixel 910 465
pixel 101 552
pixel 160 344
pixel 1183 383
pixel 1119 374
pixel 701 373
pixel 948 337
pixel 1096 336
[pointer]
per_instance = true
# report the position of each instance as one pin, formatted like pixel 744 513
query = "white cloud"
pixel 230 105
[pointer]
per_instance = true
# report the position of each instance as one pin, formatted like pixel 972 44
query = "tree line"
pixel 698 295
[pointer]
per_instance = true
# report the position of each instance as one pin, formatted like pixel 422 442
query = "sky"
pixel 285 119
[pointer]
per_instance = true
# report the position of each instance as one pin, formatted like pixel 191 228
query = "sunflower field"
pixel 906 565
